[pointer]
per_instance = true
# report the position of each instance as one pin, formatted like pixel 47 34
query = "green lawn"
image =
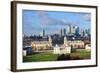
pixel 40 57
pixel 85 55
pixel 53 57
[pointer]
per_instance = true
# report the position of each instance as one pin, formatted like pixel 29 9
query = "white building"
pixel 24 53
pixel 63 49
pixel 56 50
pixel 88 47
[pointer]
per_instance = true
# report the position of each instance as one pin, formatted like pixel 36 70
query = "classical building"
pixel 62 49
pixel 74 43
pixel 44 44
pixel 88 47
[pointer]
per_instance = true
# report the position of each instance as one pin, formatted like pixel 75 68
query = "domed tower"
pixel 65 40
pixel 50 40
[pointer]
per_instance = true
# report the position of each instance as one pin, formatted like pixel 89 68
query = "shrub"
pixel 75 56
pixel 73 50
pixel 63 57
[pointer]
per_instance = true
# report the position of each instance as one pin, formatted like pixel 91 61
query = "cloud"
pixel 45 19
pixel 87 17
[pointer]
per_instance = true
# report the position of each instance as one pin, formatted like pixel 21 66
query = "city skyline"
pixel 35 21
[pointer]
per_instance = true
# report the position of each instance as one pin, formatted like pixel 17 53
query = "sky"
pixel 35 21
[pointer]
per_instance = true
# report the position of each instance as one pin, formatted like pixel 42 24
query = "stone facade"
pixel 41 44
pixel 63 49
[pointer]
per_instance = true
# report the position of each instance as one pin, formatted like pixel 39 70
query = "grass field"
pixel 53 57
pixel 40 57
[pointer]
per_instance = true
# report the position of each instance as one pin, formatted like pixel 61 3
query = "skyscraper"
pixel 64 30
pixel 61 32
pixel 77 31
pixel 42 33
pixel 82 33
pixel 71 29
pixel 87 32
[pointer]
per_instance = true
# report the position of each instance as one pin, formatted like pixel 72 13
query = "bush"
pixel 74 56
pixel 63 57
pixel 73 50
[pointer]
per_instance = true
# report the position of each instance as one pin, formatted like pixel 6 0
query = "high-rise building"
pixel 64 30
pixel 82 33
pixel 75 28
pixel 61 32
pixel 42 33
pixel 77 31
pixel 71 29
pixel 87 33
